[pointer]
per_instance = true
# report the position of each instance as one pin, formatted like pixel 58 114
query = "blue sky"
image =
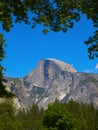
pixel 25 47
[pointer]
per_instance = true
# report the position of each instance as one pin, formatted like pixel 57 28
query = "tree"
pixel 8 120
pixel 55 15
pixel 31 119
pixel 96 119
pixel 56 117
pixel 3 91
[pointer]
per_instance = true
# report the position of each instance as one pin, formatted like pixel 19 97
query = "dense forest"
pixel 58 116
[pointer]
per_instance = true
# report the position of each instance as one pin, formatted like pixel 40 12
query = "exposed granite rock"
pixel 53 79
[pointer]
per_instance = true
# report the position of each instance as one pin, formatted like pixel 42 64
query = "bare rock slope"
pixel 53 79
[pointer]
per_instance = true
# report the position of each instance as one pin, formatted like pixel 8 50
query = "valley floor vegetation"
pixel 58 116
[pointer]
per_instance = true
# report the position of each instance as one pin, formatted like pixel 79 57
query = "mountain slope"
pixel 53 79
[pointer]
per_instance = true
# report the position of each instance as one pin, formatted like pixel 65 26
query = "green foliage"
pixel 3 91
pixel 2 43
pixel 89 7
pixel 85 115
pixel 93 45
pixel 8 121
pixel 55 15
pixel 31 119
pixel 57 117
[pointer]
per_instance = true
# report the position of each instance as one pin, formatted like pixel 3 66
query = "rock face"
pixel 53 79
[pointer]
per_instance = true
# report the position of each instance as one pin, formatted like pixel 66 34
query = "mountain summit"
pixel 53 79
pixel 48 70
pixel 64 66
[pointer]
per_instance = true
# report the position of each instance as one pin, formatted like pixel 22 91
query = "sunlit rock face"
pixel 53 79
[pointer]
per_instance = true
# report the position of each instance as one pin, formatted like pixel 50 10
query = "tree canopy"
pixel 55 15
pixel 56 117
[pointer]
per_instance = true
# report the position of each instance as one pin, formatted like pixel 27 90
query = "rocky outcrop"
pixel 53 79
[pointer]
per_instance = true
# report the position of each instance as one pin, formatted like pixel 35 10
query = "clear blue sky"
pixel 25 47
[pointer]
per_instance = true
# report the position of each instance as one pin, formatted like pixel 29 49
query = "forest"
pixel 58 116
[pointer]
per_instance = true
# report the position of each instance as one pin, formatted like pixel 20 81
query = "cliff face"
pixel 53 79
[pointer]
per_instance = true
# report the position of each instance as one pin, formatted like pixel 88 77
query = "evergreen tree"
pixel 3 91
pixel 96 120
pixel 8 120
